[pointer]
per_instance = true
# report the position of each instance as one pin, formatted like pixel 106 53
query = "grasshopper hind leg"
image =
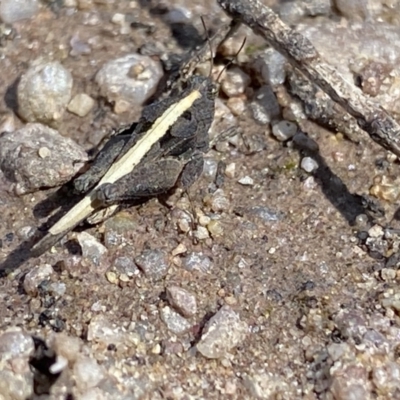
pixel 103 161
pixel 146 181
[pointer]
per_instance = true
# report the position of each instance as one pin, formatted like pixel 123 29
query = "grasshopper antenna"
pixel 231 61
pixel 210 45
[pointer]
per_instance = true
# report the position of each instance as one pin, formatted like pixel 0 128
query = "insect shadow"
pixel 185 33
pixel 349 205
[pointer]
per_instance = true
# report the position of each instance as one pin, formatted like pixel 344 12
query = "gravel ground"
pixel 275 279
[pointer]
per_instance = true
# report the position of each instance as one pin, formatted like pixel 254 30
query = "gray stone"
pixel 125 265
pixel 153 263
pixel 266 385
pixel 182 300
pixel 271 66
pixel 175 322
pixel 284 130
pixel 265 106
pixel 309 164
pixel 91 247
pixel 81 104
pixel 101 330
pixel 16 10
pixel 36 156
pixel 265 213
pixel 16 387
pixel 35 276
pixel 14 344
pixel 235 82
pixel 222 333
pixel 44 92
pixel 197 261
pixel 358 9
pixel 87 373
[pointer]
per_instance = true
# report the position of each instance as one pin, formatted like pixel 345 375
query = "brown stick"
pixel 372 118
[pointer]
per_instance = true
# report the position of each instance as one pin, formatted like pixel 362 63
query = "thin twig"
pixel 372 118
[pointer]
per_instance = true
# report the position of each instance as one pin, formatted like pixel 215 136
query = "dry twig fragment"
pixel 372 118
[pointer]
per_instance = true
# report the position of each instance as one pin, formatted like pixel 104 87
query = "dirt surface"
pixel 283 250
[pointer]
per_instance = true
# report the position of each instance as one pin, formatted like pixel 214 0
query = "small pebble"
pixel 246 181
pixel 117 82
pixel 235 82
pixel 44 92
pixel 223 121
pixel 35 276
pixel 122 106
pixel 100 330
pixel 26 232
pixel 388 274
pixel 197 261
pixel 178 15
pixel 265 213
pixel 92 249
pixel 210 168
pixel 81 105
pixel 87 373
pixel 126 265
pixel 375 231
pixel 204 220
pixel 16 387
pixel 16 10
pixel 350 381
pixel 201 233
pixel 8 123
pixel 230 170
pixel 215 228
pixel 112 277
pixel 57 289
pixel 183 301
pixel 358 9
pixel 219 202
pixel 266 385
pixel 175 322
pixel 44 152
pixel 284 130
pixel 156 349
pixel 153 263
pixel 231 46
pixel 385 188
pixel 265 106
pixel 271 67
pixel 223 332
pixel 291 12
pixel 237 105
pixel 78 47
pixel 309 164
pixel 118 19
pixel 294 111
pixel 15 343
pixel 71 3
pixel 16 377
pixel 180 249
pixel 184 225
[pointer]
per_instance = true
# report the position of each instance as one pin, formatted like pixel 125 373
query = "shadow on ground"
pixel 349 205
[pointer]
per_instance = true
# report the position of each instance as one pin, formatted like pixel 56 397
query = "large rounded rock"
pixel 44 92
pixel 15 10
pixel 37 156
pixel 131 79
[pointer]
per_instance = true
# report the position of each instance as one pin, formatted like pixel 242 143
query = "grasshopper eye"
pixel 214 90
